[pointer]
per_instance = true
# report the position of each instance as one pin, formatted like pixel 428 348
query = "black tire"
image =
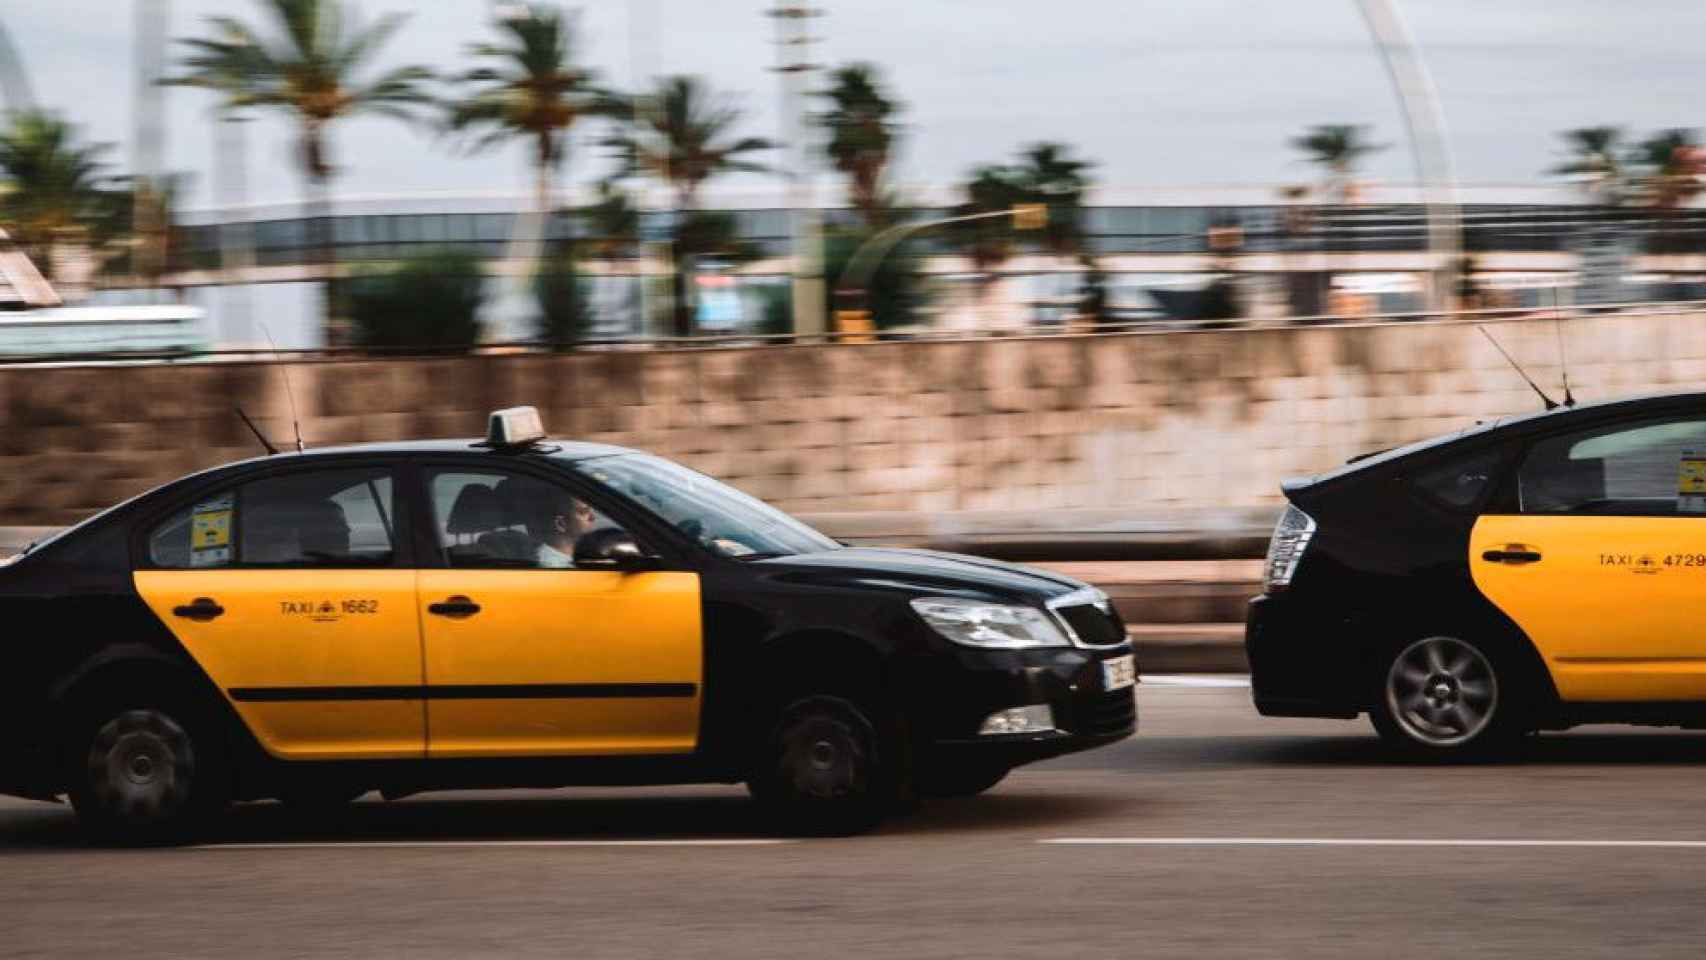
pixel 146 773
pixel 827 771
pixel 1446 697
pixel 960 780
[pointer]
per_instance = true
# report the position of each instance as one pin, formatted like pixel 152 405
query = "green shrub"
pixel 430 300
pixel 564 315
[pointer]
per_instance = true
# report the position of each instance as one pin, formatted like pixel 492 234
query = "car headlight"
pixel 975 623
pixel 1291 537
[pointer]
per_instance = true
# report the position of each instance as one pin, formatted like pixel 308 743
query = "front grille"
pixel 1114 712
pixel 1093 627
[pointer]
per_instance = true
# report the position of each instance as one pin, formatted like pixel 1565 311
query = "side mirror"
pixel 611 548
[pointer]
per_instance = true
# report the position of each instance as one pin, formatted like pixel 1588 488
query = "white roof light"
pixel 515 427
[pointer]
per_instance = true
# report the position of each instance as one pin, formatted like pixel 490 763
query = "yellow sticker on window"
pixel 1691 483
pixel 210 533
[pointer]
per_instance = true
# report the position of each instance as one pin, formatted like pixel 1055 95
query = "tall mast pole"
pixel 793 45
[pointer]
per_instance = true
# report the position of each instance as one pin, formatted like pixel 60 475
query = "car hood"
pixel 927 570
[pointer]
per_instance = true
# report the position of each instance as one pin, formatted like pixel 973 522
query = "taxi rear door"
pixel 523 660
pixel 294 594
pixel 1604 564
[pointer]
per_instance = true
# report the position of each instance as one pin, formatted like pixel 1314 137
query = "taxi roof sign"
pixel 515 427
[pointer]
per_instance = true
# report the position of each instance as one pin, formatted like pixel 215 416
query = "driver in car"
pixel 556 525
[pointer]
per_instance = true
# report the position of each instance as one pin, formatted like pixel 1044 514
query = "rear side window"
pixel 327 518
pixel 1650 468
pixel 1461 481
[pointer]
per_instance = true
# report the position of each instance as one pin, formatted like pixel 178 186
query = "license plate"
pixel 1119 673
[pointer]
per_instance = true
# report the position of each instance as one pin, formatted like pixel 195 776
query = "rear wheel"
pixel 146 774
pixel 826 772
pixel 1448 697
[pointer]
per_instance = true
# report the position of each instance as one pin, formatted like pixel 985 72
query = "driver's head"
pixel 560 519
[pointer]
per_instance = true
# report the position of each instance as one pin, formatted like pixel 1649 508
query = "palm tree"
pixel 54 185
pixel 988 242
pixel 682 137
pixel 1338 148
pixel 531 89
pixel 1051 176
pixel 1595 155
pixel 310 67
pixel 1670 161
pixel 683 134
pixel 861 136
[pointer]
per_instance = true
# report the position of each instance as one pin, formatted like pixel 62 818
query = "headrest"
pixel 477 509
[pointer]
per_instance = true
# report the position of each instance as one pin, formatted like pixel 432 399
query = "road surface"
pixel 1214 833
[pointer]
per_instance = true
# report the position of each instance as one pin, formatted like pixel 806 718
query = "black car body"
pixel 1528 573
pixel 680 654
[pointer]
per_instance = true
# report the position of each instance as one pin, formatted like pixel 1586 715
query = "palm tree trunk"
pixel 321 251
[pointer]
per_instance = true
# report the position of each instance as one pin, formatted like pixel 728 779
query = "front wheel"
pixel 826 772
pixel 1447 698
pixel 146 774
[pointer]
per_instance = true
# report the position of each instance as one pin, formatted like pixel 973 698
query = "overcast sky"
pixel 1182 92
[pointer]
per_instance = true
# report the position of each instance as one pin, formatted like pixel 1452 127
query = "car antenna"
pixel 257 432
pixel 1551 404
pixel 289 394
pixel 1563 358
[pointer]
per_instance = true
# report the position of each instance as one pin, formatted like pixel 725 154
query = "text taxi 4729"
pixel 517 612
pixel 1526 574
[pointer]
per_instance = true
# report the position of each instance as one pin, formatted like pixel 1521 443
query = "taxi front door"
pixel 289 594
pixel 523 660
pixel 1604 568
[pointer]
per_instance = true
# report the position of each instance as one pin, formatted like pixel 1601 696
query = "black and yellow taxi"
pixel 1525 574
pixel 518 612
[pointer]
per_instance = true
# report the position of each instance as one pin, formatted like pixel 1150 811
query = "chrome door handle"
pixel 456 607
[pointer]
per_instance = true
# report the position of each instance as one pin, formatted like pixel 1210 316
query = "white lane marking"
pixel 1196 680
pixel 433 844
pixel 1361 842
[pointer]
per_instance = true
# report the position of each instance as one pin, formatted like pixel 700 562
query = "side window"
pixel 198 537
pixel 1461 481
pixel 496 519
pixel 328 518
pixel 1653 468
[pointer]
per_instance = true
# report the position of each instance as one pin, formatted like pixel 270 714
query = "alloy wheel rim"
pixel 1442 691
pixel 141 766
pixel 823 759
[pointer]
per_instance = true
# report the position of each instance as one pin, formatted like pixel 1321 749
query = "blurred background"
pixel 1073 288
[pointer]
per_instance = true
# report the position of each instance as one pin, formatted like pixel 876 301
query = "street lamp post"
pixel 793 43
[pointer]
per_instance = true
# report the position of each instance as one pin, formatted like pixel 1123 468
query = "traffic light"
pixel 1030 216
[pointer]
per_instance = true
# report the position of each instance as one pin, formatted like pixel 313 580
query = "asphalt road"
pixel 1214 833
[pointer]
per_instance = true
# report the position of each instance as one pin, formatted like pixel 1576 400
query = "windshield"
pixel 718 516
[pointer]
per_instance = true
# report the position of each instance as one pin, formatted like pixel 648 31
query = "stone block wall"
pixel 1145 421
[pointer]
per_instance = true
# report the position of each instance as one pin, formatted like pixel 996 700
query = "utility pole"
pixel 793 45
pixel 645 60
pixel 149 223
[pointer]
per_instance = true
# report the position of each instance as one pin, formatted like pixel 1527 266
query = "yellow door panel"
pixel 1614 604
pixel 562 662
pixel 321 664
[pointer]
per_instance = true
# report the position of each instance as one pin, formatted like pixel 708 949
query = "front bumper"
pixel 1069 680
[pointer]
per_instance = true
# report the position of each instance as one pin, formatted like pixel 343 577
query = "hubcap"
pixel 1442 691
pixel 823 758
pixel 140 766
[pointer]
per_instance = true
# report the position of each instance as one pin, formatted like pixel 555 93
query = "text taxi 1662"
pixel 1526 574
pixel 516 612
